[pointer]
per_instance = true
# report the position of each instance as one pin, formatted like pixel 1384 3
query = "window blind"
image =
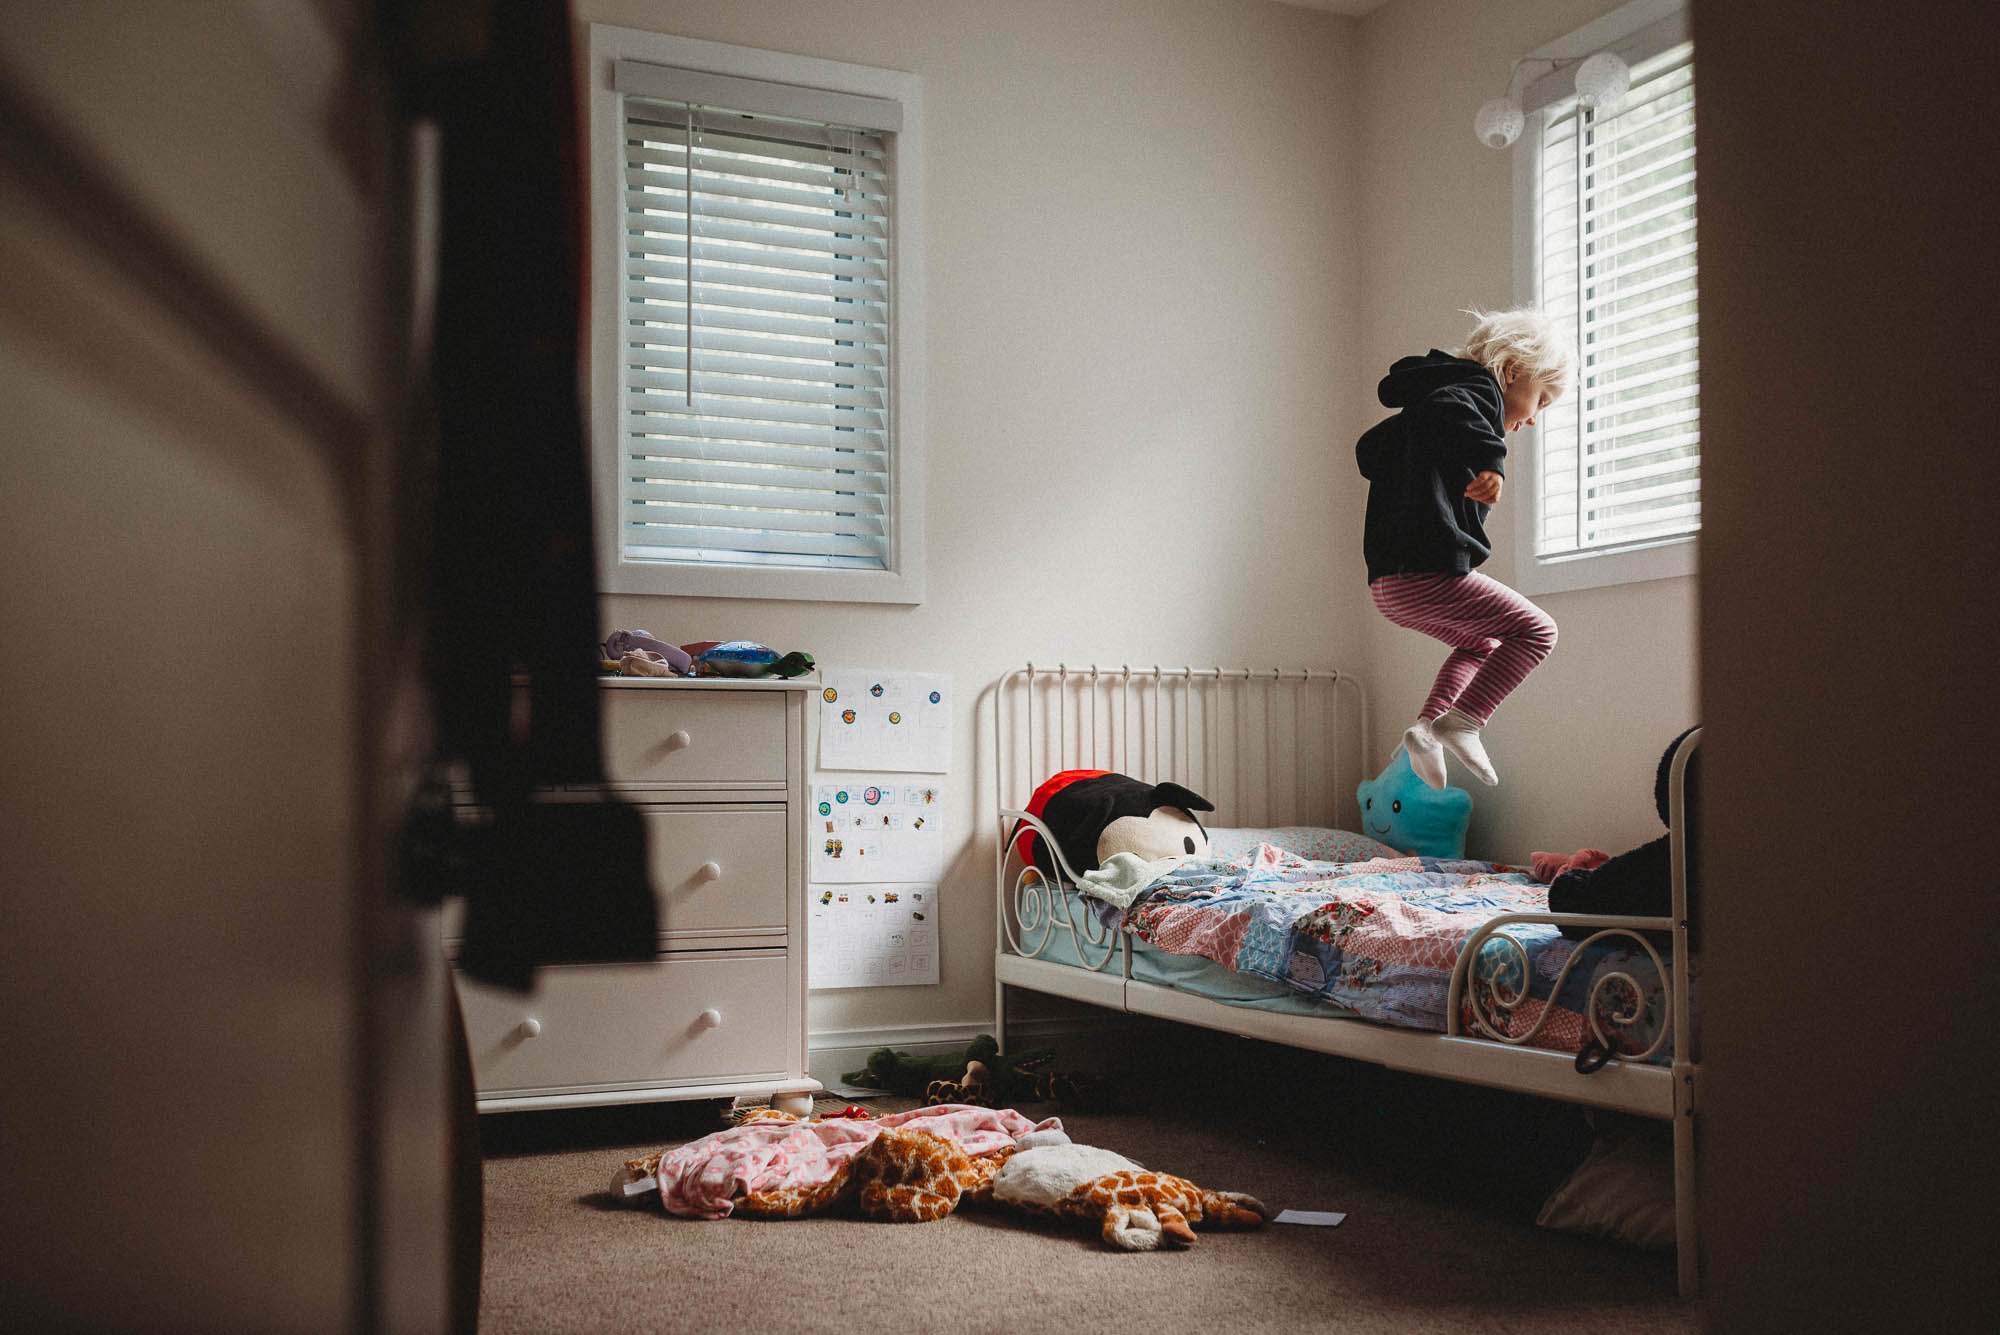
pixel 756 339
pixel 1620 455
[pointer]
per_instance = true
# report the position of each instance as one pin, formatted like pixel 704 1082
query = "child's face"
pixel 1524 397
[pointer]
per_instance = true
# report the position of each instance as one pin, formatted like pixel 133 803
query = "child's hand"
pixel 1485 488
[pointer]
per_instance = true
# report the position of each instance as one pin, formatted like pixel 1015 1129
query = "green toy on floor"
pixel 976 1075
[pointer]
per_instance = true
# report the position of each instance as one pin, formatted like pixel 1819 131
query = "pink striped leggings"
pixel 1497 636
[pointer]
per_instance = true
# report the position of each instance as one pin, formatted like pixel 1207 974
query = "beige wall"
pixel 1577 745
pixel 1141 395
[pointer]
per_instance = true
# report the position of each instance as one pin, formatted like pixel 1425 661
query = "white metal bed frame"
pixel 1239 737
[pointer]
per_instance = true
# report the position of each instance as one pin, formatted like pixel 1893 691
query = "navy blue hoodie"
pixel 1419 463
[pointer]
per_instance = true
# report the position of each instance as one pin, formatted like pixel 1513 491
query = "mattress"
pixel 1186 973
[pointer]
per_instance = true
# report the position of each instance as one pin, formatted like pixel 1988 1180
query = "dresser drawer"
pixel 682 738
pixel 718 868
pixel 609 1026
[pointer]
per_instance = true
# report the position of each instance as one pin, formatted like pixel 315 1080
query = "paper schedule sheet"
pixel 875 827
pixel 872 719
pixel 872 935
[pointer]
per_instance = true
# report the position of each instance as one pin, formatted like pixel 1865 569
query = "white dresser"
pixel 717 769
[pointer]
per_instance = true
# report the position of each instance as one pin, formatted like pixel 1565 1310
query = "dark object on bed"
pixel 1639 883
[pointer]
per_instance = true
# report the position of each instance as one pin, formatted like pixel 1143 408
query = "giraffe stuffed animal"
pixel 903 1175
pixel 1135 1210
pixel 908 1175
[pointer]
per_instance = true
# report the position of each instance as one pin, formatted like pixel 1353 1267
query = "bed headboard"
pixel 1268 746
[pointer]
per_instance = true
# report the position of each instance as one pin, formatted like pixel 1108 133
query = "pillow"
pixel 1307 841
pixel 1407 813
pixel 1623 1189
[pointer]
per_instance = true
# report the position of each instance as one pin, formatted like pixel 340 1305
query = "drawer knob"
pixel 710 871
pixel 530 1027
pixel 711 1018
pixel 678 740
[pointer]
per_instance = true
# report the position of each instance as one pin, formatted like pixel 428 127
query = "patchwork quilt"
pixel 1379 939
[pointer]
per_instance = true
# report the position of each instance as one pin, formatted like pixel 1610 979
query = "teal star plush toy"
pixel 1409 815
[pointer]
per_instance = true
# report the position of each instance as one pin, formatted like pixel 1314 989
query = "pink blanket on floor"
pixel 703 1178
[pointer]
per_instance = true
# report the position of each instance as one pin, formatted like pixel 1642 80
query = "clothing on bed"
pixel 1124 875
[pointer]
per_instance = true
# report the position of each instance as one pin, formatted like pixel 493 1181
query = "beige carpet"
pixel 1439 1182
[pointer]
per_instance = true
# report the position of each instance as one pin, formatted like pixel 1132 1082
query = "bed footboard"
pixel 1037 921
pixel 1617 1011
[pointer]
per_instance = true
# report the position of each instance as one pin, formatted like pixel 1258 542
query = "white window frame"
pixel 903 579
pixel 1635 32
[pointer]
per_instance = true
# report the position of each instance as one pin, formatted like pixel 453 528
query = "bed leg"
pixel 1000 1014
pixel 1685 1254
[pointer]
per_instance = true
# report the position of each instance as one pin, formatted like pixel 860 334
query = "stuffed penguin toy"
pixel 1094 813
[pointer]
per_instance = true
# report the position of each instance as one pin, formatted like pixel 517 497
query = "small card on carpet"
pixel 1324 1218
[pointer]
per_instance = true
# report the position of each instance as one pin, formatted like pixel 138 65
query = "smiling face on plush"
pixel 1410 816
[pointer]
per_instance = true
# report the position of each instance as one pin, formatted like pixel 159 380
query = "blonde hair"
pixel 1526 337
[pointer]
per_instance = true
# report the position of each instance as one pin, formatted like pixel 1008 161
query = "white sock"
pixel 1426 756
pixel 1460 736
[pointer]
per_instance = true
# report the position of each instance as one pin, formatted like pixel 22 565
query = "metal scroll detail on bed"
pixel 1280 751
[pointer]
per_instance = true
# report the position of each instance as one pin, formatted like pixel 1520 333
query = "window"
pixel 1613 489
pixel 756 311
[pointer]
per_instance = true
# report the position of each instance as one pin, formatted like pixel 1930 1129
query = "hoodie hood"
pixel 1412 378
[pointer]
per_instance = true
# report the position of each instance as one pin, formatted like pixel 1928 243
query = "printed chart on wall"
pixel 885 827
pixel 872 935
pixel 873 720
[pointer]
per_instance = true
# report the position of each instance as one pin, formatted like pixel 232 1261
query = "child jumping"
pixel 1434 472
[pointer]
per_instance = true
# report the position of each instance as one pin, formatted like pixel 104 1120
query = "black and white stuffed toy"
pixel 1095 813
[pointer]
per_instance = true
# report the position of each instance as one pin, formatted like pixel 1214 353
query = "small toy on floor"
pixel 748 1107
pixel 1024 1079
pixel 910 1075
pixel 978 1076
